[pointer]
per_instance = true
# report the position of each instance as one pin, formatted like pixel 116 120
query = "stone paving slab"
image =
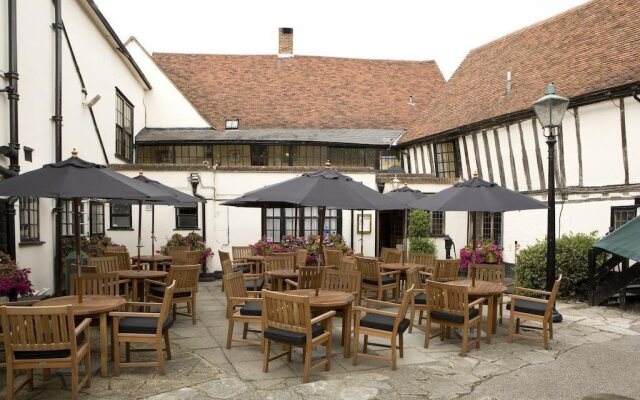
pixel 203 368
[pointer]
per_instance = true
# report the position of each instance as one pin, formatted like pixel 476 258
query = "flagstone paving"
pixel 203 368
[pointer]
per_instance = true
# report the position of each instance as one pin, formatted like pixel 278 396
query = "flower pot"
pixel 491 258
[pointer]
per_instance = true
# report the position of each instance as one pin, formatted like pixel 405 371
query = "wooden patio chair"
pixel 391 256
pixel 348 264
pixel 533 309
pixel 287 319
pixel 382 324
pixel 489 273
pixel 344 281
pixel 419 298
pixel 445 270
pixel 122 258
pixel 104 264
pixel 301 257
pixel 248 305
pixel 253 282
pixel 186 278
pixel 143 327
pixel 332 257
pixel 44 337
pixel 108 284
pixel 239 267
pixel 116 249
pixel 448 306
pixel 374 279
pixel 274 262
pixel 308 278
pixel 426 259
pixel 184 256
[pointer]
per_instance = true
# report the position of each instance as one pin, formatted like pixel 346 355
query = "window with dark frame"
pixel 620 215
pixel 29 219
pixel 278 222
pixel 446 159
pixel 437 223
pixel 186 217
pixel 231 124
pixel 67 218
pixel 488 227
pixel 120 217
pixel 96 218
pixel 124 127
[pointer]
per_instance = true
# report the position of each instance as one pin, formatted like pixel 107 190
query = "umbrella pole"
pixel 153 230
pixel 321 217
pixel 139 230
pixel 404 238
pixel 295 223
pixel 473 231
pixel 361 227
pixel 76 237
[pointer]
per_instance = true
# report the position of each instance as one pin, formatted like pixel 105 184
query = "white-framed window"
pixel 231 123
pixel 120 217
pixel 29 219
pixel 620 215
pixel 67 218
pixel 96 218
pixel 488 227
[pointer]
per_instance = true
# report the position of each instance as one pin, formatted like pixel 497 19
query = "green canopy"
pixel 624 241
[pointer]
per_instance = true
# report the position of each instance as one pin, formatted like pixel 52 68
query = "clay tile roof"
pixel 590 48
pixel 303 92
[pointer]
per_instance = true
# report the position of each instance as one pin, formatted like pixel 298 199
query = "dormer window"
pixel 231 124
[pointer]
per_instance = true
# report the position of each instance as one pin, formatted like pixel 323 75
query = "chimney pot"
pixel 285 42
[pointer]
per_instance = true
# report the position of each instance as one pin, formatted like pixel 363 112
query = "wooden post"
pixel 139 229
pixel 76 234
pixel 361 227
pixel 321 217
pixel 153 230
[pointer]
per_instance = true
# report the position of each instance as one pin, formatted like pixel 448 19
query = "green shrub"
pixel 571 261
pixel 418 232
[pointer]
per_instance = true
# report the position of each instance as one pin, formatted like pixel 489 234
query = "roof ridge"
pixel 433 61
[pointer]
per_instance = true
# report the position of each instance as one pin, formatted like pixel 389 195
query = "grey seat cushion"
pixel 528 307
pixel 383 322
pixel 386 280
pixel 142 325
pixel 158 290
pixel 251 308
pixel 245 269
pixel 443 316
pixel 421 299
pixel 34 355
pixel 281 335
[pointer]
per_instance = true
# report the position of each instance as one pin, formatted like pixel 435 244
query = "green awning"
pixel 624 241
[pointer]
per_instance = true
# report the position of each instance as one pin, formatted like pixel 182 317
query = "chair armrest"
pixel 254 293
pixel 374 311
pixel 233 301
pixel 251 276
pixel 426 273
pixel 152 282
pixel 242 263
pixel 324 316
pixel 292 283
pixel 390 273
pixel 537 300
pixel 543 292
pixel 381 303
pixel 83 325
pixel 123 314
pixel 477 302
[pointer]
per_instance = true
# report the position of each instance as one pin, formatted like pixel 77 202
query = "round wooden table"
pixel 152 260
pixel 332 300
pixel 278 277
pixel 400 266
pixel 258 261
pixel 140 275
pixel 91 305
pixel 491 291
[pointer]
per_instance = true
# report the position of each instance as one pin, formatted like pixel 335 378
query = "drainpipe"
pixel 12 150
pixel 57 120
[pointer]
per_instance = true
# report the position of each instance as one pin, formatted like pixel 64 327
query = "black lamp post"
pixel 550 110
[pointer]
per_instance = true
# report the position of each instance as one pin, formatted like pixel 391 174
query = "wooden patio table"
pixel 278 277
pixel 152 260
pixel 332 300
pixel 400 266
pixel 99 305
pixel 489 290
pixel 259 261
pixel 138 276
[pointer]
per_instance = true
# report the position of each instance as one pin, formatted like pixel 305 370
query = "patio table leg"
pixel 346 331
pixel 491 317
pixel 103 345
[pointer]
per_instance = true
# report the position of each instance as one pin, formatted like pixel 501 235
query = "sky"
pixel 444 31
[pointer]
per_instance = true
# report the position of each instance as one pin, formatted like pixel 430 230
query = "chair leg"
pixel 479 335
pixel 245 330
pixel 545 334
pixel 193 309
pixel 420 317
pixel 365 343
pixel 465 340
pixel 401 345
pixel 517 325
pixel 127 351
pixel 394 350
pixel 167 344
pixel 87 367
pixel 30 379
pixel 265 356
pixel 356 340
pixel 427 333
pixel 288 348
pixel 229 333
pixel 74 381
pixel 160 356
pixel 551 326
pixel 116 360
pixel 10 388
pixel 413 315
pixel 511 327
pixel 501 305
pixel 328 351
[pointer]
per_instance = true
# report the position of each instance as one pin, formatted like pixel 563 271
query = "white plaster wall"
pixel 530 144
pixel 483 158
pixel 570 142
pixel 632 119
pixel 472 157
pixel 463 160
pixel 518 156
pixel 166 105
pixel 493 156
pixel 427 159
pixel 601 144
pixel 503 137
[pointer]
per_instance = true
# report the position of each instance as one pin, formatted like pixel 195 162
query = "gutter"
pixel 12 151
pixel 57 119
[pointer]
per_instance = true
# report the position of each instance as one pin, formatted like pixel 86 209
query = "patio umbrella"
pixel 477 195
pixel 172 197
pixel 405 195
pixel 76 179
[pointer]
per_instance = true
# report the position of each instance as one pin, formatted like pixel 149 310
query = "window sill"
pixel 433 235
pixel 120 229
pixel 31 243
pixel 195 228
pixel 123 159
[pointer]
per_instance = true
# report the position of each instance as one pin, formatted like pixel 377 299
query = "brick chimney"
pixel 285 42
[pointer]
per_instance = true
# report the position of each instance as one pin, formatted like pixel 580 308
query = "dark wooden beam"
pixel 512 161
pixel 543 184
pixel 576 117
pixel 623 133
pixel 487 155
pixel 525 158
pixel 431 159
pixel 476 152
pixel 466 156
pixel 496 141
pixel 424 167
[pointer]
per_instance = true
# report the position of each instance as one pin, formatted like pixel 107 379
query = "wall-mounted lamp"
pixel 194 180
pixel 93 101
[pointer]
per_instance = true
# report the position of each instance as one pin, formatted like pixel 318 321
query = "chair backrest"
pixel 413 278
pixel 446 270
pixel 122 259
pixel 288 312
pixel 332 257
pixel 37 329
pixel 487 272
pixel 310 277
pixel 404 305
pixel 116 249
pixel 348 264
pixel 554 295
pixel 234 286
pixel 344 281
pixel 185 276
pixel 426 259
pixel 383 252
pixel 227 267
pixel 166 306
pixel 224 256
pixel 183 256
pixel 447 298
pixel 241 252
pixel 280 261
pixel 301 257
pixel 369 267
pixel 98 283
pixel 392 256
pixel 104 264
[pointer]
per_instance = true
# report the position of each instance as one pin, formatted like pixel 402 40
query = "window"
pixel 186 217
pixel 437 223
pixel 231 124
pixel 124 127
pixel 96 218
pixel 446 159
pixel 488 227
pixel 67 218
pixel 622 214
pixel 29 219
pixel 278 222
pixel 389 159
pixel 120 216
